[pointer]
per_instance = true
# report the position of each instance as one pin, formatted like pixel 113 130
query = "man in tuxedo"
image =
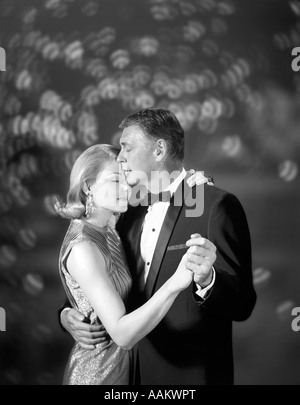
pixel 193 343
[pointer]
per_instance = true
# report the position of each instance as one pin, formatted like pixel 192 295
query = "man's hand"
pixel 201 257
pixel 85 334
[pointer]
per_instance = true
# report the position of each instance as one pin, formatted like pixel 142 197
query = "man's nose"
pixel 120 157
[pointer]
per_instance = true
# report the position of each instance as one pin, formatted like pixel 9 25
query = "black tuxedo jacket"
pixel 193 343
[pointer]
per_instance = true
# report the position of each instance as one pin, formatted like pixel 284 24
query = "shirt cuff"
pixel 201 292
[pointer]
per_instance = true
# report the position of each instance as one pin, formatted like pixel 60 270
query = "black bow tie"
pixel 163 196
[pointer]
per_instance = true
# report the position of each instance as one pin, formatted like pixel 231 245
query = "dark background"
pixel 224 68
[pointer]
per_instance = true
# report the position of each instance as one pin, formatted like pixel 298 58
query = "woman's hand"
pixel 198 178
pixel 196 264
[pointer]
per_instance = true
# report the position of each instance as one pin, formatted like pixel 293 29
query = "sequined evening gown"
pixel 107 364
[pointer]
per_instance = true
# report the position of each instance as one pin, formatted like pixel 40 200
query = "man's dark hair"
pixel 159 124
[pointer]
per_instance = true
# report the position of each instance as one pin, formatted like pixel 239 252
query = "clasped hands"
pixel 201 256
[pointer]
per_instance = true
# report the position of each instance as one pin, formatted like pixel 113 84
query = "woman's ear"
pixel 86 188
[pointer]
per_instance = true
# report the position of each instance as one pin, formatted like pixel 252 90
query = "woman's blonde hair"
pixel 84 173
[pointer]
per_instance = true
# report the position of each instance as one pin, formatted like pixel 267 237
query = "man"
pixel 193 343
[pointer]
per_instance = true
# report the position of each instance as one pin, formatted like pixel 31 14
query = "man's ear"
pixel 160 150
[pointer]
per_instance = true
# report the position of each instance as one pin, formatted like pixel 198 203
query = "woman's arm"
pixel 87 265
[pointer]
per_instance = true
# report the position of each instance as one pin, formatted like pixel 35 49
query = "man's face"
pixel 137 156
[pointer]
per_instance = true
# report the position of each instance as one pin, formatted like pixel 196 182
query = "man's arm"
pixel 74 322
pixel 233 295
pixel 65 306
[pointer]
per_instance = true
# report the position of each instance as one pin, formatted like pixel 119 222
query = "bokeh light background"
pixel 74 69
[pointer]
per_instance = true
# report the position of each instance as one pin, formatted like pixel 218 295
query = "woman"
pixel 94 273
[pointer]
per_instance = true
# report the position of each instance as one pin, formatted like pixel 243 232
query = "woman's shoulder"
pixel 84 230
pixel 84 248
pixel 89 239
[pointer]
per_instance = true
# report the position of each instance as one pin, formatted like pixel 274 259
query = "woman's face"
pixel 110 191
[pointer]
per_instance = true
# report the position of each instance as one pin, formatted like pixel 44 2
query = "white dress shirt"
pixel 152 226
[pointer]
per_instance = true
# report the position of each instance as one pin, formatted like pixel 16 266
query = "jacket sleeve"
pixel 233 295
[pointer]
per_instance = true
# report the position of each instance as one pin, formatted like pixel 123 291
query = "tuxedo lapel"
pixel 165 235
pixel 135 237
